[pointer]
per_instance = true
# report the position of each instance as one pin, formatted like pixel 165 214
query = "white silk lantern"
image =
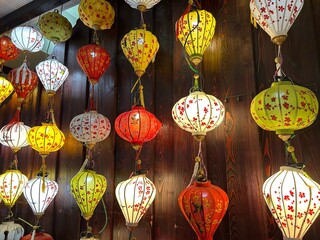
pixel 27 38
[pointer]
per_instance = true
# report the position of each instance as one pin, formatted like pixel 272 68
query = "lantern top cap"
pixel 286 82
pixel 293 169
pixel 134 107
pixel 202 184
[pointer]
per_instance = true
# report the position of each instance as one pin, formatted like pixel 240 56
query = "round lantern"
pixel 137 126
pixel 90 128
pixel 23 80
pixel 195 31
pixel 276 18
pixel 11 230
pixel 140 47
pixel 55 27
pixel 284 108
pixel 38 236
pixel 52 75
pixel 142 5
pixel 94 61
pixel 293 200
pixel 96 14
pixel 8 50
pixel 39 197
pixel 6 89
pixel 27 38
pixel 14 135
pixel 12 183
pixel 203 205
pixel 135 196
pixel 87 188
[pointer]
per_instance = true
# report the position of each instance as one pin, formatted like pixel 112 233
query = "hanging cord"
pixel 95 37
pixel 140 100
pixel 130 233
pixel 279 61
pixel 138 161
pixel 34 227
pixel 196 85
pixel 106 216
pixel 92 105
pixel 142 19
pixel 199 170
pixel 43 170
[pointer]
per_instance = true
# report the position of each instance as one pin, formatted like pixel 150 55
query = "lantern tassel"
pixel 33 234
pixel 253 20
pixel 43 170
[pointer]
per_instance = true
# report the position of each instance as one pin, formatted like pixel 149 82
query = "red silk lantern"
pixel 8 50
pixel 94 61
pixel 38 236
pixel 204 206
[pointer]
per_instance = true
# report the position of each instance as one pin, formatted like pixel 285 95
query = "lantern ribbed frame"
pixel 135 196
pixel 284 108
pixel 14 135
pixel 27 38
pixel 8 50
pixel 6 89
pixel 142 5
pixel 140 47
pixel 87 188
pixel 294 201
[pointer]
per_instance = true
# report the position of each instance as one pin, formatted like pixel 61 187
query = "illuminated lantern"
pixel 55 27
pixel 195 31
pixel 8 50
pixel 94 61
pixel 38 236
pixel 11 230
pixel 276 17
pixel 96 14
pixel 87 188
pixel 14 135
pixel 142 5
pixel 140 47
pixel 203 205
pixel 284 108
pixel 293 200
pixel 27 38
pixel 52 75
pixel 135 196
pixel 23 80
pixel 137 126
pixel 6 89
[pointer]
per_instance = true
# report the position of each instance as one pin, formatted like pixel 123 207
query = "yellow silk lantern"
pixel 96 14
pixel 6 89
pixel 140 47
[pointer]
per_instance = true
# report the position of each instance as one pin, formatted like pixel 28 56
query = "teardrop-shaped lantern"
pixel 6 89
pixel 142 5
pixel 11 230
pixel 294 201
pixel 137 126
pixel 135 196
pixel 52 75
pixel 203 205
pixel 94 61
pixel 55 27
pixel 96 14
pixel 38 236
pixel 276 17
pixel 27 38
pixel 23 80
pixel 14 135
pixel 8 50
pixel 140 47
pixel 195 31
pixel 87 188
pixel 12 183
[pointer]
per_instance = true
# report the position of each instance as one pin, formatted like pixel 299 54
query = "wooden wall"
pixel 239 155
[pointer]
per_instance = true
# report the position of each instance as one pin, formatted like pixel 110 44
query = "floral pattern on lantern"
pixel 87 188
pixel 14 135
pixel 140 47
pixel 135 196
pixel 8 50
pixel 13 230
pixel 6 89
pixel 94 61
pixel 195 31
pixel 294 201
pixel 142 5
pixel 27 38
pixel 96 14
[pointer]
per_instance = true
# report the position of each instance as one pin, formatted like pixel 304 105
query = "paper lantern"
pixel 8 51
pixel 12 183
pixel 203 205
pixel 293 200
pixel 23 80
pixel 6 89
pixel 276 17
pixel 11 230
pixel 284 108
pixel 195 31
pixel 39 198
pixel 96 14
pixel 142 5
pixel 94 61
pixel 140 47
pixel 135 196
pixel 52 75
pixel 55 27
pixel 14 135
pixel 38 236
pixel 137 126
pixel 27 38
pixel 87 188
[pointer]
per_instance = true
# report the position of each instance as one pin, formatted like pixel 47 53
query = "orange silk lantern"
pixel 8 50
pixel 94 61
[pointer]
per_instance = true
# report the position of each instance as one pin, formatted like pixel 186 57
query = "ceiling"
pixel 10 6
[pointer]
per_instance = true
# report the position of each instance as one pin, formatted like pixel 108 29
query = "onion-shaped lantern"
pixel 55 27
pixel 294 201
pixel 135 196
pixel 276 17
pixel 6 89
pixel 52 75
pixel 140 47
pixel 87 188
pixel 23 80
pixel 8 50
pixel 284 108
pixel 195 31
pixel 14 135
pixel 142 5
pixel 94 61
pixel 27 38
pixel 11 230
pixel 96 14
pixel 38 236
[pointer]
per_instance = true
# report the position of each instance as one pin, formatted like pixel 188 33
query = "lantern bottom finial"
pixel 139 72
pixel 51 93
pixel 196 59
pixel 286 238
pixel 199 136
pixel 142 8
pixel 279 39
pixel 93 81
pixel 130 226
pixel 136 146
